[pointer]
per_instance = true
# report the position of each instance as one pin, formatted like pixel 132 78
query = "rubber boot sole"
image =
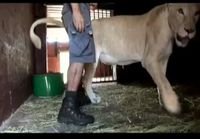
pixel 70 121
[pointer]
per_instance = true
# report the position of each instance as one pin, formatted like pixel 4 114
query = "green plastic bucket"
pixel 48 85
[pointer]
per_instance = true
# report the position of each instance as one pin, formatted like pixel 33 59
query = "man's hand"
pixel 78 18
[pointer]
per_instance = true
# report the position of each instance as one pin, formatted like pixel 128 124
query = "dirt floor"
pixel 132 108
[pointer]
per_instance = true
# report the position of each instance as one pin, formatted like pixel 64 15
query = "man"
pixel 77 22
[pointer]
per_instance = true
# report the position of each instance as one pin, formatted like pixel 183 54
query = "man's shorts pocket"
pixel 80 45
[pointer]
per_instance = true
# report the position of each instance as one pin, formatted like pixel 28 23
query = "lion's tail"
pixel 34 38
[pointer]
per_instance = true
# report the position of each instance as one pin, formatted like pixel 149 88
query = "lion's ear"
pixel 169 5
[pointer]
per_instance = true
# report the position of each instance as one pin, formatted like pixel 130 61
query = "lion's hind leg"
pixel 87 82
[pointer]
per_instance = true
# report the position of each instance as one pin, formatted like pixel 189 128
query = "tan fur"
pixel 147 38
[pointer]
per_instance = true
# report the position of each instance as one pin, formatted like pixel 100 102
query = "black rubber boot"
pixel 70 113
pixel 83 99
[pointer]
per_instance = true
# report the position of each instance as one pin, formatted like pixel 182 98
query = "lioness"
pixel 147 38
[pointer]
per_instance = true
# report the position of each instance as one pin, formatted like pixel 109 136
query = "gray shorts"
pixel 81 45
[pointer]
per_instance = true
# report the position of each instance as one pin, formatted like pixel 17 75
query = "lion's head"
pixel 182 20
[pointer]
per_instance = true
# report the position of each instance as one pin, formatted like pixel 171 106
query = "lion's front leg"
pixel 87 82
pixel 163 66
pixel 169 97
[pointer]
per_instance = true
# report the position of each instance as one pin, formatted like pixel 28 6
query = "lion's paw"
pixel 95 98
